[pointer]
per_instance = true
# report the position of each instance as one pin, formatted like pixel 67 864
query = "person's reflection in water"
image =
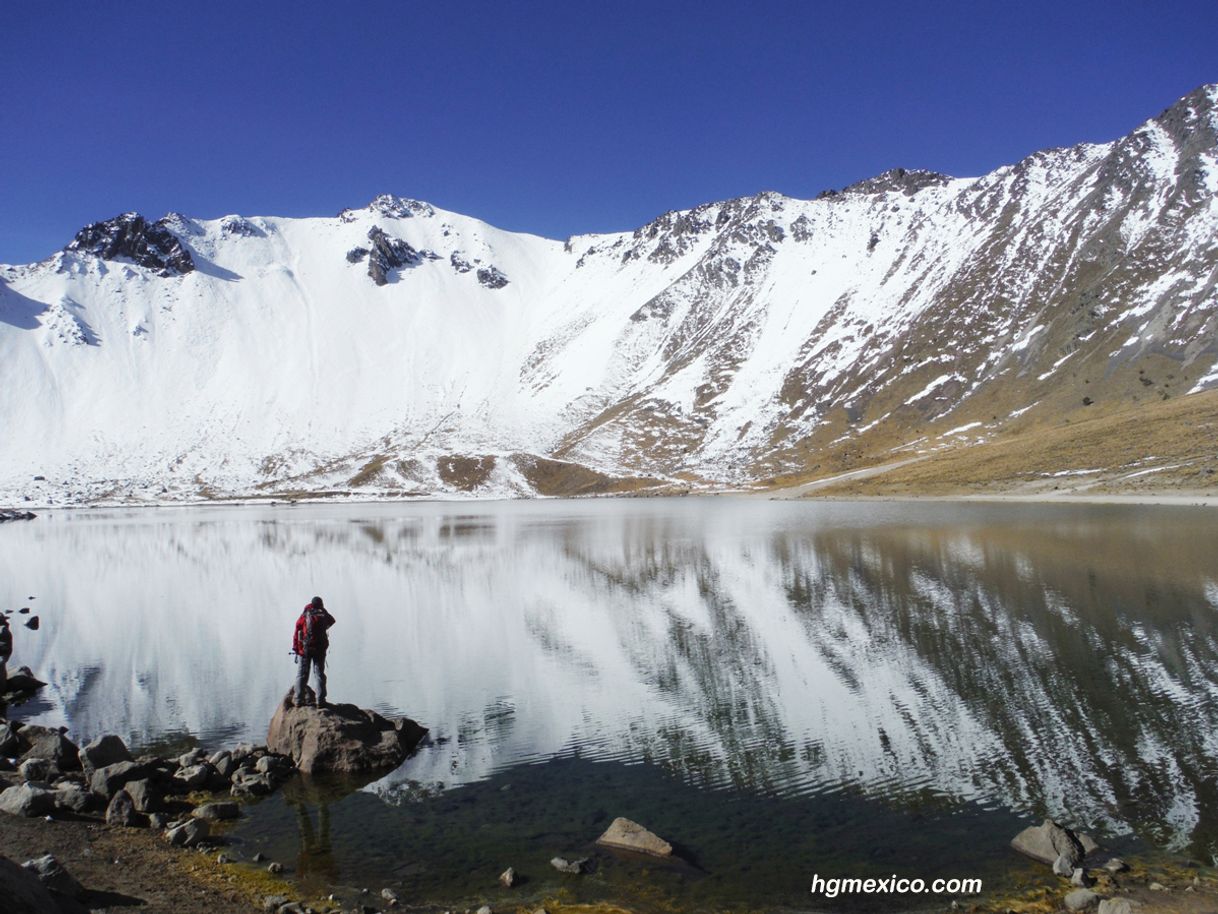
pixel 316 863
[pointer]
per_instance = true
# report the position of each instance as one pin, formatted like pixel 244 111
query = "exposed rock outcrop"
pixel 132 237
pixel 340 738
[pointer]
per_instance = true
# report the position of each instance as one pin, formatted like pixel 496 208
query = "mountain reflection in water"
pixel 1040 659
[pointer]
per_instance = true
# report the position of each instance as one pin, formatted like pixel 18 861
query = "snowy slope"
pixel 402 349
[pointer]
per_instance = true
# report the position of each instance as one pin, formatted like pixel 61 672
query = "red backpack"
pixel 310 632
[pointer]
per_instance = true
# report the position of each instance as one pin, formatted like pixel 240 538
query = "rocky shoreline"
pixel 92 826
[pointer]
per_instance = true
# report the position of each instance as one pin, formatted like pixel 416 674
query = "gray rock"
pixel 274 867
pixel 1048 841
pixel 109 780
pixel 1081 900
pixel 389 895
pixel 10 741
pixel 50 872
pixel 1118 906
pixel 146 797
pixel 1116 865
pixel 103 751
pixel 218 811
pixel 628 835
pixel 122 811
pixel 485 909
pixel 27 800
pixel 194 777
pixel 35 769
pixel 52 745
pixel 1064 866
pixel 1081 879
pixel 273 902
pixel 71 797
pixel 248 783
pixel 189 833
pixel 340 738
pixel 507 878
pixel 1157 887
pixel 564 865
pixel 158 820
pixel 23 893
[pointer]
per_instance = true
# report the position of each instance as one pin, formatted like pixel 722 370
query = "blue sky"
pixel 554 118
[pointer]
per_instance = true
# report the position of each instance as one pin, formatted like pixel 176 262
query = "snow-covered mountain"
pixel 400 349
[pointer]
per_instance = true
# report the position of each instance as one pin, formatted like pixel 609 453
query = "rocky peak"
pixel 391 207
pixel 131 237
pixel 907 181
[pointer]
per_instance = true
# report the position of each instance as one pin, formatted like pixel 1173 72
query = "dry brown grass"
pixel 1176 438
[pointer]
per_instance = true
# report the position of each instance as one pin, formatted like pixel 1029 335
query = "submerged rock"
pixel 218 811
pixel 340 738
pixel 576 867
pixel 628 835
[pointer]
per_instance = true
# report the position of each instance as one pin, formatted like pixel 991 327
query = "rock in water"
pixel 1049 841
pixel 340 738
pixel 631 836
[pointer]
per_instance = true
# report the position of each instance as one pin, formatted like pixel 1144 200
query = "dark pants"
pixel 318 663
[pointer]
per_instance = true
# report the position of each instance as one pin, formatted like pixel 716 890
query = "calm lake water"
pixel 782 689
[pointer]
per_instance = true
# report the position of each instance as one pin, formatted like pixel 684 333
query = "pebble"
pixel 1157 887
pixel 274 867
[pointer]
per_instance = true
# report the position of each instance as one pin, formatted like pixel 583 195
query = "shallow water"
pixel 780 688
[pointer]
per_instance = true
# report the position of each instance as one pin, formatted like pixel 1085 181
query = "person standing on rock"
pixel 309 644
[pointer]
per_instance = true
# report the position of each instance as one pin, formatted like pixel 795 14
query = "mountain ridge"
pixel 401 349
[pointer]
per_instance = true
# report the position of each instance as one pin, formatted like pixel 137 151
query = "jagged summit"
pixel 131 237
pixel 393 207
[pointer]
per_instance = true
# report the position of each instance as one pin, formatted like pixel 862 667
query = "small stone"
pixel 628 835
pixel 564 865
pixel 1081 879
pixel 1116 865
pixel 1063 866
pixel 158 820
pixel 485 909
pixel 259 857
pixel 390 896
pixel 1081 900
pixel 273 902
pixel 507 878
pixel 1117 906
pixel 218 811
pixel 1157 887
pixel 274 867
pixel 223 859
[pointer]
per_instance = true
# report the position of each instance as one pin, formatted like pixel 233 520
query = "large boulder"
pixel 52 745
pixel 340 738
pixel 628 835
pixel 28 800
pixel 1049 841
pixel 50 872
pixel 107 781
pixel 24 893
pixel 103 751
